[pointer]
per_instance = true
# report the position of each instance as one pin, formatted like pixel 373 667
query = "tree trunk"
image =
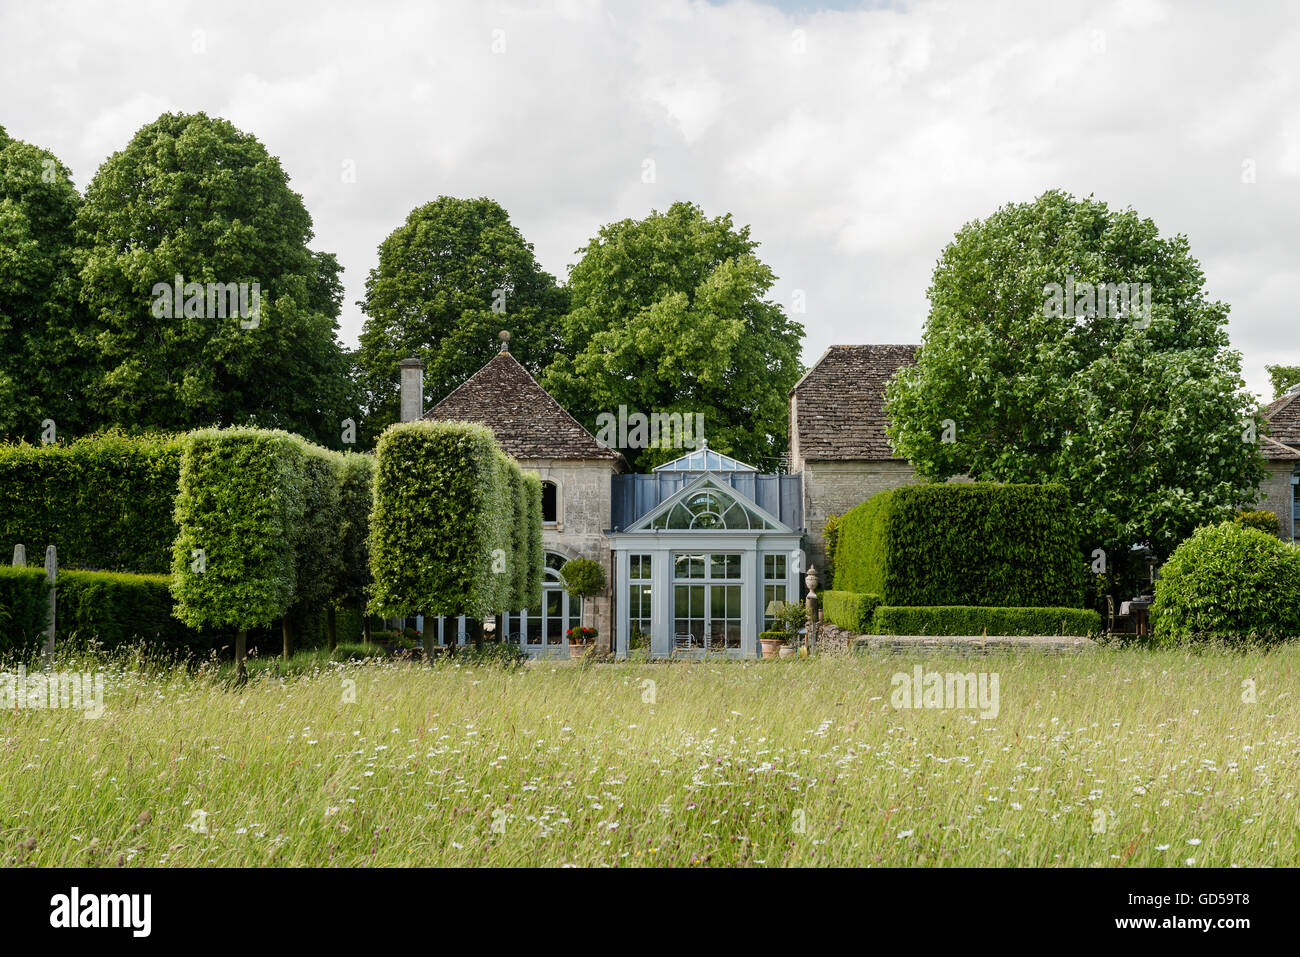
pixel 241 655
pixel 332 628
pixel 365 625
pixel 286 634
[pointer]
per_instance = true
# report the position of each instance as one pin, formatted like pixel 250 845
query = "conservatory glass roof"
pixel 705 460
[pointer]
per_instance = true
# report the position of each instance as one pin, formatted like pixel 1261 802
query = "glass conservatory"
pixel 699 562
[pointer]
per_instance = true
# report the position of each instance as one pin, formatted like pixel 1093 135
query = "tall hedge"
pixel 978 543
pixel 242 501
pixel 104 501
pixel 356 497
pixel 518 539
pixel 536 551
pixel 318 558
pixel 505 560
pixel 441 537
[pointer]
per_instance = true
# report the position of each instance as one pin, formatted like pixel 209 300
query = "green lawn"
pixel 1124 757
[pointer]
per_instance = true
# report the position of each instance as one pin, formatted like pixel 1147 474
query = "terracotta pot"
pixel 771 647
pixel 579 648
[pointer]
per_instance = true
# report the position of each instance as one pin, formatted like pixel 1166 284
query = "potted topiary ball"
pixel 582 578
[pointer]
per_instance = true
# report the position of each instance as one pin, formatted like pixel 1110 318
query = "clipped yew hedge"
pixel 112 609
pixel 104 501
pixel 971 620
pixel 980 543
pixel 442 536
pixel 117 609
pixel 24 607
pixel 850 610
pixel 242 501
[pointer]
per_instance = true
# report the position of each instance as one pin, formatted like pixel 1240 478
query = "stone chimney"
pixel 412 389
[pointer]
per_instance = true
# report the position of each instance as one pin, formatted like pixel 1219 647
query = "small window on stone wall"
pixel 550 504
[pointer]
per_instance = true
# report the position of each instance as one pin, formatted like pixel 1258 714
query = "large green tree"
pixel 1282 378
pixel 194 197
pixel 669 315
pixel 1022 378
pixel 42 371
pixel 448 280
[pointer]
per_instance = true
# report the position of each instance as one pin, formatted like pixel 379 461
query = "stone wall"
pixel 832 488
pixel 583 498
pixel 1275 492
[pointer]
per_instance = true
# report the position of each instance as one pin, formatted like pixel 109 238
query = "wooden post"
pixel 241 655
pixel 51 573
pixel 814 606
pixel 20 556
pixel 286 636
pixel 331 628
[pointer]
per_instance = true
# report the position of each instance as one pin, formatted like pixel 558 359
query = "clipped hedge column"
pixel 240 507
pixel 535 560
pixel 356 496
pixel 440 516
pixel 318 560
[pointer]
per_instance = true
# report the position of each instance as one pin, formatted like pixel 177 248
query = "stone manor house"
pixel 697 551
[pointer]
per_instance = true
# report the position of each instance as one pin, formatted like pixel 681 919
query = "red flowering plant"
pixel 576 635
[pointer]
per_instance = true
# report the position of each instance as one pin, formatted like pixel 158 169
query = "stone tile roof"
pixel 840 403
pixel 1276 451
pixel 527 421
pixel 1283 417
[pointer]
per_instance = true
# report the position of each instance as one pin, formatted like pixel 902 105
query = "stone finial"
pixel 811 579
pixel 504 336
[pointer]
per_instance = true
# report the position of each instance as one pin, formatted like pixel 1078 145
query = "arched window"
pixel 550 503
pixel 710 508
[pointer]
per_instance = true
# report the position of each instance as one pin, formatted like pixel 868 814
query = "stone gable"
pixel 837 409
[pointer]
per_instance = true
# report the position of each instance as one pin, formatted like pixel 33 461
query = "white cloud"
pixel 855 148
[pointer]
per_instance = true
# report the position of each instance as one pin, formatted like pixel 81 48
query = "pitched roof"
pixel 1276 450
pixel 527 421
pixel 840 402
pixel 1283 416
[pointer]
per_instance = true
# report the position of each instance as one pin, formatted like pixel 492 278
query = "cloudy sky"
pixel 854 139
